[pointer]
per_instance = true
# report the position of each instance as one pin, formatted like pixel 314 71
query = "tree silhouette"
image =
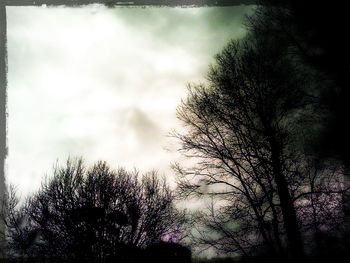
pixel 313 36
pixel 240 127
pixel 94 214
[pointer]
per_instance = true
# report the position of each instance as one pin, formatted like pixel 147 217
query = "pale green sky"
pixel 104 83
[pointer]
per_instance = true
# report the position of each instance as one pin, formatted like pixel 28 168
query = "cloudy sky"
pixel 104 83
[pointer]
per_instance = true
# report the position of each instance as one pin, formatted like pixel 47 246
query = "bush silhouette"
pixel 168 252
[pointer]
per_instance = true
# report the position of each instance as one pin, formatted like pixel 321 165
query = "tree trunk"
pixel 294 241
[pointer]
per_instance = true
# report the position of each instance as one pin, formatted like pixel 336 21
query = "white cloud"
pixel 102 83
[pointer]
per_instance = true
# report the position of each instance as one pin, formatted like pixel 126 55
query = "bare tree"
pixel 96 213
pixel 18 236
pixel 240 128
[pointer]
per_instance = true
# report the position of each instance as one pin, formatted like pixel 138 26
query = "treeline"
pixel 94 214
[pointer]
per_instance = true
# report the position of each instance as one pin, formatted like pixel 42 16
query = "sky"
pixel 104 83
